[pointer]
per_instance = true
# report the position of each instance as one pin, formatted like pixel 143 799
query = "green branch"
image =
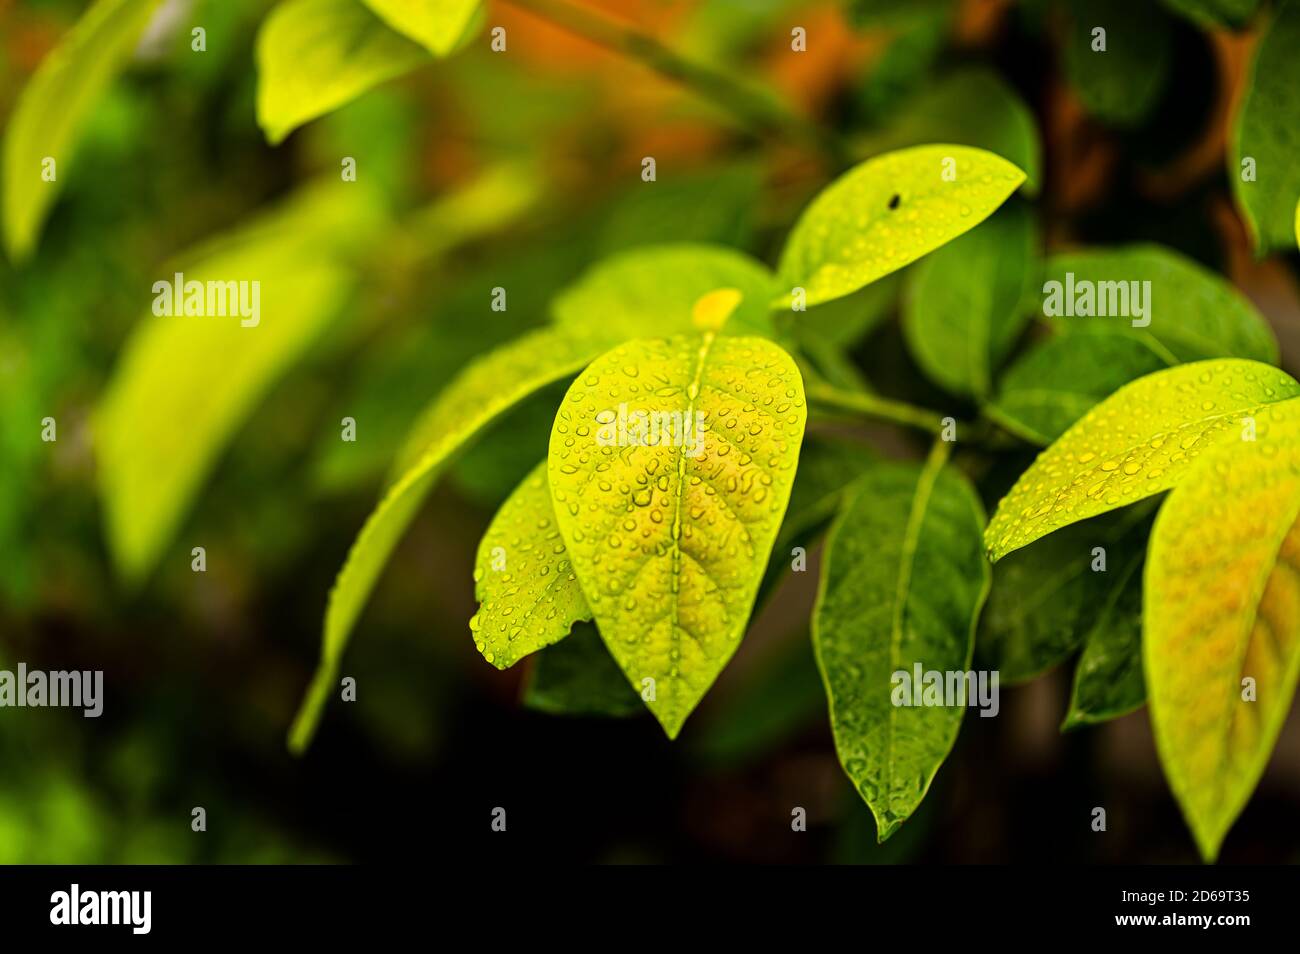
pixel 875 407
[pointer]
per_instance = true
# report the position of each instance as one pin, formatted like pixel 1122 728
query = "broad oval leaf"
pixel 185 382
pixel 888 212
pixel 1263 133
pixel 903 580
pixel 671 465
pixel 528 593
pixel 1191 313
pixel 52 107
pixel 1139 441
pixel 651 291
pixel 437 25
pixel 481 393
pixel 315 55
pixel 1057 380
pixel 1223 606
pixel 965 305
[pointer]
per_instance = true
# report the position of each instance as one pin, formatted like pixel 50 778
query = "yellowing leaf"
pixel 888 212
pixel 902 583
pixel 1222 607
pixel 52 107
pixel 671 465
pixel 1139 441
pixel 652 291
pixel 315 55
pixel 437 25
pixel 528 592
pixel 186 382
pixel 481 393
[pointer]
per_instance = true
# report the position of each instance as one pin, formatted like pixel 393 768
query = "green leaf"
pixel 1191 312
pixel 965 306
pixel 52 108
pixel 437 25
pixel 481 393
pixel 973 107
pixel 578 677
pixel 1123 82
pixel 828 466
pixel 669 531
pixel 888 212
pixel 184 383
pixel 1139 441
pixel 1215 13
pixel 1108 679
pixel 1223 606
pixel 315 55
pixel 903 580
pixel 843 322
pixel 528 593
pixel 1263 133
pixel 1057 380
pixel 651 290
pixel 1047 598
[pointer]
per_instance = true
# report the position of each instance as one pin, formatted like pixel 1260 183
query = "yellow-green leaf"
pixel 888 212
pixel 482 392
pixel 52 107
pixel 315 55
pixel 669 525
pixel 186 382
pixel 1222 607
pixel 437 25
pixel 651 291
pixel 1138 442
pixel 903 580
pixel 528 593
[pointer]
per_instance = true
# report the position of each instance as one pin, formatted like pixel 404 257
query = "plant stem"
pixel 757 109
pixel 873 406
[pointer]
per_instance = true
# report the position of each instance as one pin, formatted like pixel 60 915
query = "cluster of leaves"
pixel 622 565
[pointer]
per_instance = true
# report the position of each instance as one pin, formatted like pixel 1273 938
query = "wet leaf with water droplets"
pixel 968 302
pixel 528 593
pixel 652 291
pixel 903 580
pixel 887 213
pixel 482 392
pixel 1139 441
pixel 1223 605
pixel 671 465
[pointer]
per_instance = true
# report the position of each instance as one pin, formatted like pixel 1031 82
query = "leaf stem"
pixel 757 109
pixel 874 406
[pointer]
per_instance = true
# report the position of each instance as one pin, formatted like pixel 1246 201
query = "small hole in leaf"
pixel 893 203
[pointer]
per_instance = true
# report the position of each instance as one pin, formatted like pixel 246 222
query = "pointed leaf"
pixel 965 305
pixel 437 25
pixel 1139 441
pixel 482 392
pixel 315 55
pixel 184 384
pixel 670 537
pixel 903 580
pixel 650 291
pixel 54 104
pixel 1263 132
pixel 1223 606
pixel 528 593
pixel 888 212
